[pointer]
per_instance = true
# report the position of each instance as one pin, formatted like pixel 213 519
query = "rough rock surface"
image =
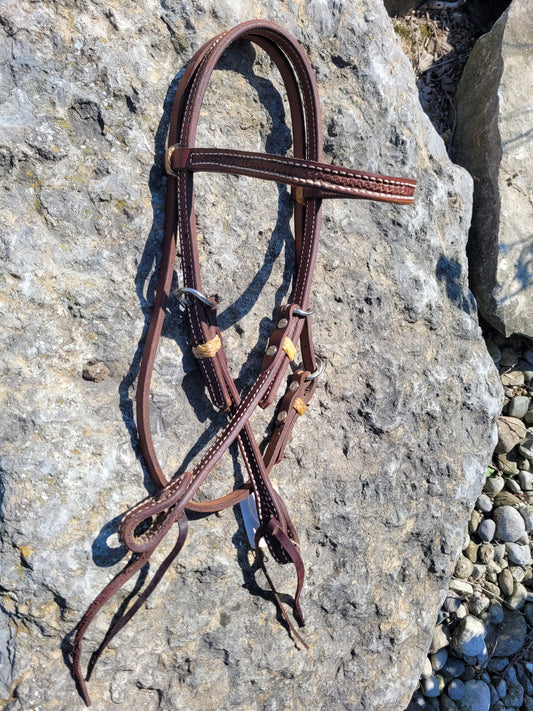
pixel 494 141
pixel 380 474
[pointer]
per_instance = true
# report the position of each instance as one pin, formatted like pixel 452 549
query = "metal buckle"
pixel 301 312
pixel 182 293
pixel 168 155
pixel 319 369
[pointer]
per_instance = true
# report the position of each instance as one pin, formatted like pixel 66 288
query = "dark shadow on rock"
pixel 450 273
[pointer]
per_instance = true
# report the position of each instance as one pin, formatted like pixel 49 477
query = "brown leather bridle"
pixel 311 181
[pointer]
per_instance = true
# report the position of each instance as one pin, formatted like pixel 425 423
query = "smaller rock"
pixel 513 484
pixel 501 688
pixel 95 371
pixel 479 571
pixel 494 484
pixel 526 448
pixel 528 418
pixel 507 464
pixel 504 498
pixel 511 431
pixel 499 554
pixel 471 550
pixel 497 664
pixel 430 687
pixel 506 582
pixel 452 602
pixel 518 406
pixel 453 668
pixel 439 659
pixel 485 553
pixel 486 530
pixel 509 523
pixel 518 597
pixel 446 704
pixel 518 573
pixel 512 378
pixel 461 588
pixel 509 636
pixel 528 355
pixel 515 695
pixel 525 479
pixel 475 519
pixel 527 514
pixel 518 554
pixel 469 637
pixel 484 503
pixel 427 671
pixel 463 568
pixel 478 604
pixel 456 689
pixel 441 638
pixel 476 696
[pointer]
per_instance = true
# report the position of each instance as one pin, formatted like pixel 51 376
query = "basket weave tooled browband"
pixel 311 181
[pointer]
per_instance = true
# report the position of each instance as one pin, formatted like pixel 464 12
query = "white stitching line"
pixel 307 181
pixel 198 159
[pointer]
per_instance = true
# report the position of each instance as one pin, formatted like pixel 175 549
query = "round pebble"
pixel 513 484
pixel 506 582
pixel 518 597
pixel 518 573
pixel 509 636
pixel 438 660
pixel 527 514
pixel 427 671
pixel 453 668
pixel 463 568
pixel 511 431
pixel 430 687
pixel 469 636
pixel 501 688
pixel 525 478
pixel 485 553
pixel 526 448
pixel 478 605
pixel 478 571
pixel 452 602
pixel 514 698
pixel 470 551
pixel 476 696
pixel 484 503
pixel 517 554
pixel 456 689
pixel 461 587
pixel 486 530
pixel 475 519
pixel 441 638
pixel 518 406
pixel 446 704
pixel 494 484
pixel 509 524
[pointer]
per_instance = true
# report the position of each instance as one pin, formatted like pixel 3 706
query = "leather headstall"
pixel 146 524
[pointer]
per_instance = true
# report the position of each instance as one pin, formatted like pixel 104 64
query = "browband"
pixel 146 524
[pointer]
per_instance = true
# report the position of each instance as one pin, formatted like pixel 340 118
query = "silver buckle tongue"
pixel 251 520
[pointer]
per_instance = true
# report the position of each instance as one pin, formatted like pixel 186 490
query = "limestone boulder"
pixel 494 141
pixel 381 472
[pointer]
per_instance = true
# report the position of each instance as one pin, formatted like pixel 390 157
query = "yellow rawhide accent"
pixel 289 348
pixel 208 349
pixel 299 405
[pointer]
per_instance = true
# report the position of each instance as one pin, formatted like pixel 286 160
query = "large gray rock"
pixel 494 141
pixel 384 468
